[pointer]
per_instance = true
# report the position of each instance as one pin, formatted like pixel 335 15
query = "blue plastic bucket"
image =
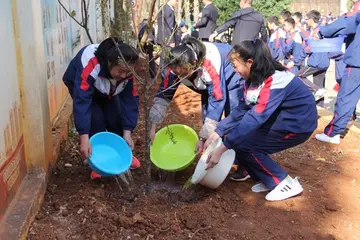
pixel 111 155
pixel 326 44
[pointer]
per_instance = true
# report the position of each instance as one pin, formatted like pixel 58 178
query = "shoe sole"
pixel 321 140
pixel 295 195
pixel 240 179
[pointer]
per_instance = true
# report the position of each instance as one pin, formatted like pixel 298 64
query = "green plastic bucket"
pixel 173 148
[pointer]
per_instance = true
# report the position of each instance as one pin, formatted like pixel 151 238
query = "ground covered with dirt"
pixel 76 207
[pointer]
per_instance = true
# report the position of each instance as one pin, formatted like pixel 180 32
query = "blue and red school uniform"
pixel 275 43
pixel 279 114
pixel 100 103
pixel 349 92
pixel 294 51
pixel 220 87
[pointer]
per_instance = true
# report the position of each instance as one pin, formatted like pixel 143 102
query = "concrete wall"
pixel 38 40
pixel 323 6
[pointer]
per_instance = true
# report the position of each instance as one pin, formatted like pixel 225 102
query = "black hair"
pixel 314 15
pixel 108 54
pixel 285 14
pixel 291 21
pixel 298 15
pixel 263 63
pixel 274 19
pixel 189 51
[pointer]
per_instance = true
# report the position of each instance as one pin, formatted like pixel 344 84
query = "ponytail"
pixel 263 63
pixel 190 51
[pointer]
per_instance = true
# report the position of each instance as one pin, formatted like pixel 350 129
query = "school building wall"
pixel 38 40
pixel 323 6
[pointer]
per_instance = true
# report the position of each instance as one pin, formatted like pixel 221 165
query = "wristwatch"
pixel 202 139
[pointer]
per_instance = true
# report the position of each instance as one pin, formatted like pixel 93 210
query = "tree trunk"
pixel 196 10
pixel 180 11
pixel 187 10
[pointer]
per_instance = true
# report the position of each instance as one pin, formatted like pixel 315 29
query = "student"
pixel 103 92
pixel 277 39
pixel 283 16
pixel 185 31
pixel 293 50
pixel 298 24
pixel 349 92
pixel 277 112
pixel 205 68
pixel 317 63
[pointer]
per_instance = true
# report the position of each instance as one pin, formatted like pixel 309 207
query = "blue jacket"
pixel 275 44
pixel 281 103
pixel 293 49
pixel 346 26
pixel 87 79
pixel 316 60
pixel 211 80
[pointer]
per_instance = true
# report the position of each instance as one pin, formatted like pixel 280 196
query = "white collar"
pixel 170 6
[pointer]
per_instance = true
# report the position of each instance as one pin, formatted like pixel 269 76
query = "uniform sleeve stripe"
pixel 134 90
pixel 264 96
pixel 215 79
pixel 86 72
pixel 166 81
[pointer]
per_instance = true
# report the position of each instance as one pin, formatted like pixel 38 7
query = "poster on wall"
pixel 58 50
pixel 12 159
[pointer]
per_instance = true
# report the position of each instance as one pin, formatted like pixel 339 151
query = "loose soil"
pixel 76 207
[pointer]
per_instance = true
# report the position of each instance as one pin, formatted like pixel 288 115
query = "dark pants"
pixel 347 98
pixel 253 154
pixel 106 115
pixel 149 49
pixel 318 79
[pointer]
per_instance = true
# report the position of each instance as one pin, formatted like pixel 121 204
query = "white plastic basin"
pixel 215 176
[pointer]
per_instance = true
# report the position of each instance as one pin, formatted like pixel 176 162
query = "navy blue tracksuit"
pixel 275 43
pixel 317 64
pixel 220 87
pixel 277 115
pixel 349 93
pixel 100 103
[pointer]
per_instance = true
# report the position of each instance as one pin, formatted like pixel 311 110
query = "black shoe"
pixel 240 175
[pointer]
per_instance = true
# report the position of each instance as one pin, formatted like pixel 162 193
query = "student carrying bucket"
pixel 349 92
pixel 205 68
pixel 277 112
pixel 103 92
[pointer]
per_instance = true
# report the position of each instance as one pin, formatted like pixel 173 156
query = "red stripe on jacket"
pixel 264 96
pixel 215 79
pixel 86 72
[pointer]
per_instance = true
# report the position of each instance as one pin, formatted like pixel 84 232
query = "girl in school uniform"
pixel 293 50
pixel 277 112
pixel 103 92
pixel 205 68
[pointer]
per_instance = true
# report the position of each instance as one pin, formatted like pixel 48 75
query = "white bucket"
pixel 215 176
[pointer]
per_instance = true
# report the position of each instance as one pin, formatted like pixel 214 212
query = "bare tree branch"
pixel 61 4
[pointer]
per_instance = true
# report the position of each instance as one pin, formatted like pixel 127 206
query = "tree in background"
pixel 266 7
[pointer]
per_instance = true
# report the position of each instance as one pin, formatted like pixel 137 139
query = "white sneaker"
pixel 319 94
pixel 288 188
pixel 325 138
pixel 260 187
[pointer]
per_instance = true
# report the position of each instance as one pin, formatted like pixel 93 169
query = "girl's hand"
pixel 199 146
pixel 213 137
pixel 85 146
pixel 214 157
pixel 128 139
